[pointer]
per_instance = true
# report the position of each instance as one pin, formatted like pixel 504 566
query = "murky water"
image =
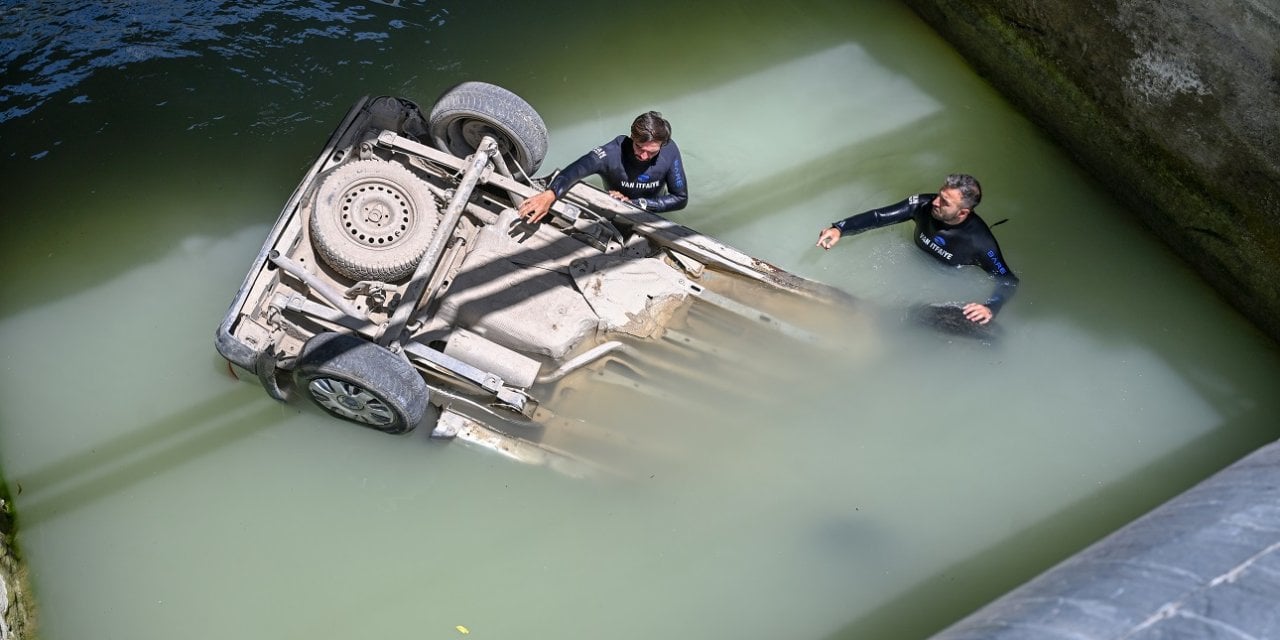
pixel 879 492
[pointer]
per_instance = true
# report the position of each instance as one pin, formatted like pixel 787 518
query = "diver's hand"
pixel 617 195
pixel 535 208
pixel 979 313
pixel 828 238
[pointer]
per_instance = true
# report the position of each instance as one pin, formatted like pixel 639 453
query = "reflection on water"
pixel 881 489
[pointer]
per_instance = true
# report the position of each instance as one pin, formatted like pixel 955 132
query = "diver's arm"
pixel 1006 282
pixel 591 162
pixel 884 216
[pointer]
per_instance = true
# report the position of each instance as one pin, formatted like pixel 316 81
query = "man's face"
pixel 947 208
pixel 645 151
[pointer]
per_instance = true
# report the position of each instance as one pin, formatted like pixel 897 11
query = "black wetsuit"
pixel 968 243
pixel 643 182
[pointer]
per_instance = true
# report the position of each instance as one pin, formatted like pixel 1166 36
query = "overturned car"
pixel 399 286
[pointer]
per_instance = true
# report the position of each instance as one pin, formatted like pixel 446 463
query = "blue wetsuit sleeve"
pixel 884 216
pixel 591 162
pixel 1006 282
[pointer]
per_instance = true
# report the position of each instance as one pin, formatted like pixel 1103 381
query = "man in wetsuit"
pixel 643 169
pixel 947 229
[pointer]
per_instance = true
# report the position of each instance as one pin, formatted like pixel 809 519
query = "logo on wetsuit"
pixel 642 183
pixel 1000 268
pixel 935 245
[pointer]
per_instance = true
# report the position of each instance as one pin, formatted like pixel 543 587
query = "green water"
pixel 879 493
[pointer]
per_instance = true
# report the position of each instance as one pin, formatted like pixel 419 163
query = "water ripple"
pixel 48 48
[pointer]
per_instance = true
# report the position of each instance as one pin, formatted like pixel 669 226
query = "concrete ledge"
pixel 1202 565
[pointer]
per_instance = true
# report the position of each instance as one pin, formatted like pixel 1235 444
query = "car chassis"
pixel 398 275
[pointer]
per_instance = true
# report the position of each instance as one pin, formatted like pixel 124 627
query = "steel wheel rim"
pixel 376 213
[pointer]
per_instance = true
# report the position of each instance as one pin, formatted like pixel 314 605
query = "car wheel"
pixel 356 380
pixel 373 220
pixel 465 114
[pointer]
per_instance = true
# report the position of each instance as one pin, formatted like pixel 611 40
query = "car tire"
pixel 466 113
pixel 373 220
pixel 354 379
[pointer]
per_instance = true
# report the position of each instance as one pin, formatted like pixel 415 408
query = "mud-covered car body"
pixel 399 275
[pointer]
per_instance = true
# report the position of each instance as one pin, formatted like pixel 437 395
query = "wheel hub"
pixel 473 131
pixel 376 214
pixel 350 401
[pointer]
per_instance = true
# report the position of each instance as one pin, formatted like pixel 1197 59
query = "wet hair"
pixel 970 190
pixel 650 126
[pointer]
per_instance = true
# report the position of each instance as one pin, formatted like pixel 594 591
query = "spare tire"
pixel 465 114
pixel 373 220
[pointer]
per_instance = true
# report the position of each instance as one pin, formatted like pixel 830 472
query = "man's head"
pixel 959 194
pixel 649 133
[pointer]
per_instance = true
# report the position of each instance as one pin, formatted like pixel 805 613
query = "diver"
pixel 643 169
pixel 948 229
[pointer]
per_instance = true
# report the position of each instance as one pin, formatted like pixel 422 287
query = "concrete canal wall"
pixel 1173 104
pixel 17 608
pixel 1203 565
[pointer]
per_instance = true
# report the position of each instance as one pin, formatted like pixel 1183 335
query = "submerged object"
pixel 948 318
pixel 399 287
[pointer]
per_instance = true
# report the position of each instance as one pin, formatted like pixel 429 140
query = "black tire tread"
pixel 523 134
pixel 384 374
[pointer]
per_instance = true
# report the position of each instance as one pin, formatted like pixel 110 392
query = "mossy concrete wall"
pixel 17 607
pixel 1173 104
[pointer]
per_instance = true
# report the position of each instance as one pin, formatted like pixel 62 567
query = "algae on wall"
pixel 17 620
pixel 1172 105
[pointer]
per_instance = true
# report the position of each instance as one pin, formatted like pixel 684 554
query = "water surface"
pixel 882 491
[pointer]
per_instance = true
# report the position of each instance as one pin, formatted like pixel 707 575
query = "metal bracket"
pixel 515 399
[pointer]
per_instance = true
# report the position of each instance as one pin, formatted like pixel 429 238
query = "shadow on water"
pixel 140 454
